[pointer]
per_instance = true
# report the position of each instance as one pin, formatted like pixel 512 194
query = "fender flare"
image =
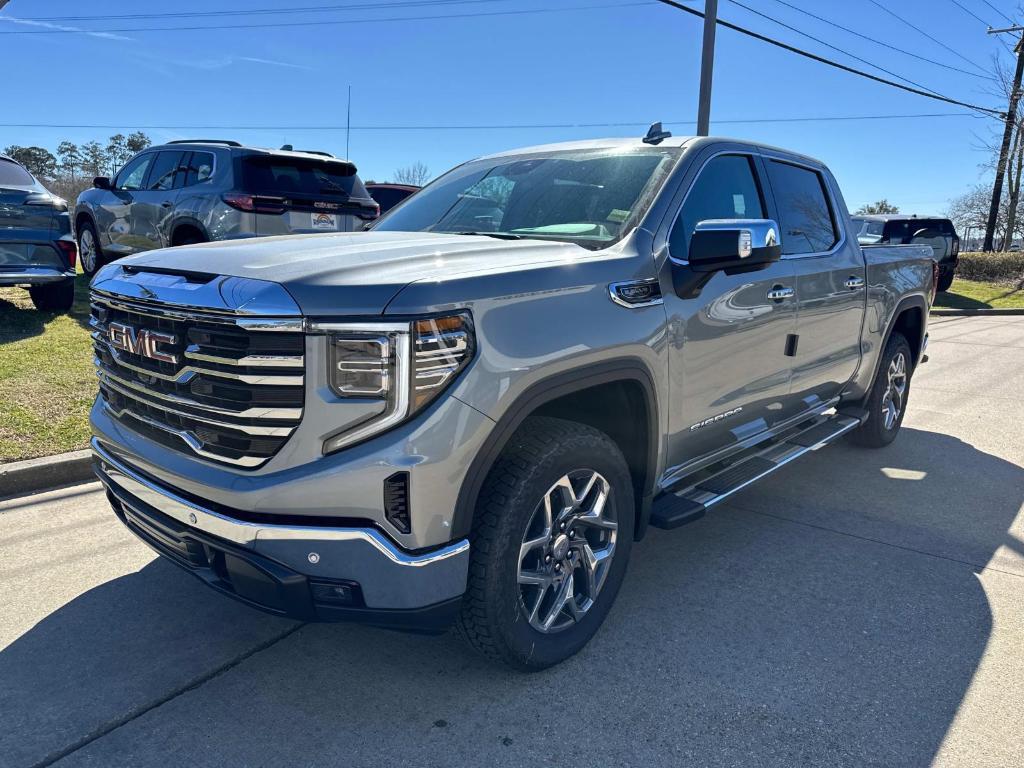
pixel 908 302
pixel 187 221
pixel 552 388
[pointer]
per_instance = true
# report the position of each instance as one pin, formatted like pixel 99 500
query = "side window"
pixel 133 175
pixel 200 168
pixel 805 216
pixel 725 189
pixel 165 170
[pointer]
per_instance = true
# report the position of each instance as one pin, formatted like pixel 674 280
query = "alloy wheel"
pixel 566 551
pixel 87 250
pixel 896 390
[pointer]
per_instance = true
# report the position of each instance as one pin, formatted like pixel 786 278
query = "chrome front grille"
pixel 227 388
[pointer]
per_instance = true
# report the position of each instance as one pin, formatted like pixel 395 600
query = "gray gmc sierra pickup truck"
pixel 468 414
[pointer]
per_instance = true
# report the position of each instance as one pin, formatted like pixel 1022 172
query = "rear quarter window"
pixel 14 174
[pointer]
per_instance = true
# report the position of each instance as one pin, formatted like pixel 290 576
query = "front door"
pixel 830 279
pixel 729 372
pixel 114 214
pixel 153 205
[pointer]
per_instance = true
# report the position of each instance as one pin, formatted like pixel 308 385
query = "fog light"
pixel 338 593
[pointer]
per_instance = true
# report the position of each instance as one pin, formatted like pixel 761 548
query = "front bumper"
pixel 33 275
pixel 310 573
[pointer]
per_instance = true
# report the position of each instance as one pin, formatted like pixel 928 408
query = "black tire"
pixel 189 237
pixel 90 253
pixel 494 618
pixel 55 297
pixel 945 281
pixel 875 432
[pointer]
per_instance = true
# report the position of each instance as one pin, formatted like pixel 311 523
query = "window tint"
pixel 284 176
pixel 165 170
pixel 200 168
pixel 902 231
pixel 805 216
pixel 12 173
pixel 726 189
pixel 388 197
pixel 133 175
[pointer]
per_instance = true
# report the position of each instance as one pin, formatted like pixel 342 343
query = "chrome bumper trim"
pixel 114 472
pixel 34 275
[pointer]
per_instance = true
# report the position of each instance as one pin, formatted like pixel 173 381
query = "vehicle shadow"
pixel 832 616
pixel 20 320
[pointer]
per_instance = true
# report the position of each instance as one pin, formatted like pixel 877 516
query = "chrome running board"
pixel 691 498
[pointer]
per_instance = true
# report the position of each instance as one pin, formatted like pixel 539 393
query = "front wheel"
pixel 887 401
pixel 549 546
pixel 90 255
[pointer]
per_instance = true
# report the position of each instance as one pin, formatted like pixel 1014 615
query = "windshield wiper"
pixel 497 235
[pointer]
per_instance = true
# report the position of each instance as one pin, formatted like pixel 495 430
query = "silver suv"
pixel 194 191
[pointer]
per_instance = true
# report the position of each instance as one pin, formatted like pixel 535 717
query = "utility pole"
pixel 1004 149
pixel 707 66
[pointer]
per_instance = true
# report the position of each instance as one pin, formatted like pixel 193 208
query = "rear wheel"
pixel 55 297
pixel 549 546
pixel 887 402
pixel 90 255
pixel 188 236
pixel 945 281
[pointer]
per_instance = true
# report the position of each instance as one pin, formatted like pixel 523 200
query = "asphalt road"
pixel 859 608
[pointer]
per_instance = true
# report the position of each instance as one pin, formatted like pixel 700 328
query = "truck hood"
pixel 353 272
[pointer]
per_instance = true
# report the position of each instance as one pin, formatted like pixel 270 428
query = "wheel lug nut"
pixel 561 527
pixel 547 558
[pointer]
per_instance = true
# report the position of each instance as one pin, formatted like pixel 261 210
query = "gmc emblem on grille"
pixel 144 343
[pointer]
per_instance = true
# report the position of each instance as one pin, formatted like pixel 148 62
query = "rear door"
pixel 300 195
pixel 153 205
pixel 830 278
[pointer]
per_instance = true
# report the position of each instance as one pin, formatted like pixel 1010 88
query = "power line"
pixel 514 126
pixel 829 45
pixel 921 31
pixel 321 23
pixel 888 46
pixel 830 62
pixel 969 12
pixel 986 2
pixel 254 11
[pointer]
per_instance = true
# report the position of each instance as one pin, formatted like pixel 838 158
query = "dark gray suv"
pixel 194 191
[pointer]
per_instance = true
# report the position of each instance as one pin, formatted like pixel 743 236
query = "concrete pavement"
pixel 858 608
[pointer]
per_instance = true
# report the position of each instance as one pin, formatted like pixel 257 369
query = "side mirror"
pixel 101 182
pixel 718 244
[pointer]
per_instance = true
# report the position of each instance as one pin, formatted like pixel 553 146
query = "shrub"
pixel 992 267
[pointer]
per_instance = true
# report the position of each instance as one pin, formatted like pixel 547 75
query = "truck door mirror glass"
pixel 718 244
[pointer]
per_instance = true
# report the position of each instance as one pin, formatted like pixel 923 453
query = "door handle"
pixel 855 282
pixel 778 293
pixel 166 204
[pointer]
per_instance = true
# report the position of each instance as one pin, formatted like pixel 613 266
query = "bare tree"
pixel 415 174
pixel 94 158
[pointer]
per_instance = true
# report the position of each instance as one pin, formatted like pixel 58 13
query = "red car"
pixel 390 195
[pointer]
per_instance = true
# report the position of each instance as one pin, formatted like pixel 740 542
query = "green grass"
pixel 969 294
pixel 47 383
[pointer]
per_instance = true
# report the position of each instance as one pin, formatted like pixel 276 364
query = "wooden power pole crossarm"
pixel 1004 148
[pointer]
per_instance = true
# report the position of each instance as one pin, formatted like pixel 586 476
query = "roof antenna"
pixel 655 135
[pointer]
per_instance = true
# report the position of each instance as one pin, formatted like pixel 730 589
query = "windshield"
pixel 590 197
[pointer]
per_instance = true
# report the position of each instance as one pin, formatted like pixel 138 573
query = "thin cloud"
pixel 272 63
pixel 63 28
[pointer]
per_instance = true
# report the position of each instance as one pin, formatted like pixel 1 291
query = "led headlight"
pixel 403 365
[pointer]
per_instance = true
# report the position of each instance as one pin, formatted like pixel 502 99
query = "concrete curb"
pixel 951 311
pixel 23 477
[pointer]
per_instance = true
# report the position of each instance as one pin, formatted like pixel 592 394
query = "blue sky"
pixel 580 62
